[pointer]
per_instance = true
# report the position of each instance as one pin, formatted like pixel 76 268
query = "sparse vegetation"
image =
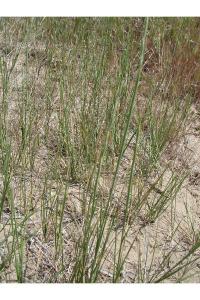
pixel 99 136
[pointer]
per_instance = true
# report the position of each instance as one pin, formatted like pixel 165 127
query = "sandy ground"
pixel 152 242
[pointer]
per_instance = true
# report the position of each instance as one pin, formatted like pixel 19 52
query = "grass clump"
pixel 90 108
